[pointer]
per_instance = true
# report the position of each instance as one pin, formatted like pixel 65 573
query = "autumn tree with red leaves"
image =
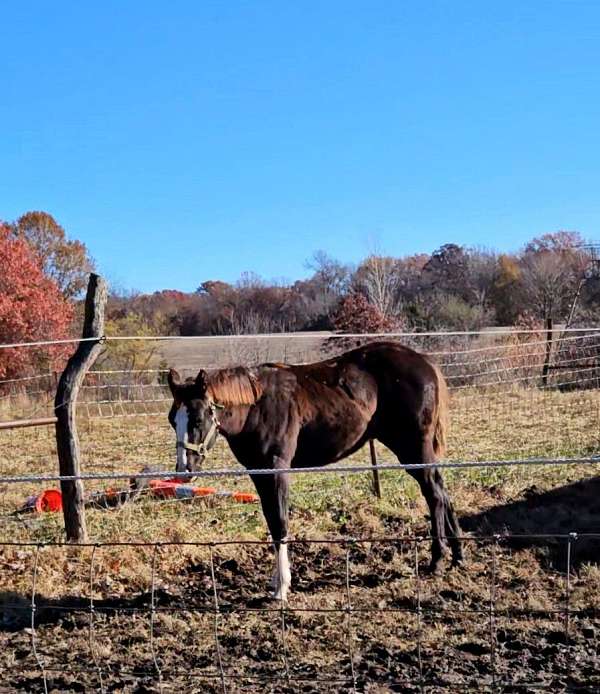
pixel 65 261
pixel 32 308
pixel 356 315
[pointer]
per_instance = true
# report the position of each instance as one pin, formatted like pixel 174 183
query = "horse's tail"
pixel 440 419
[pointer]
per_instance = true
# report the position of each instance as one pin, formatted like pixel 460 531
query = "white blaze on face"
pixel 181 428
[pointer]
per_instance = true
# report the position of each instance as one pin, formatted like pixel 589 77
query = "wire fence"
pixel 356 629
pixel 500 407
pixel 146 606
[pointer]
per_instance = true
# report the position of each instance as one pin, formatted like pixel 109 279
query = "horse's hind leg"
pixel 435 501
pixel 432 479
pixel 444 525
pixel 453 531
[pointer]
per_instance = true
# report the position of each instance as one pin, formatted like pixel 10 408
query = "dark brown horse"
pixel 277 416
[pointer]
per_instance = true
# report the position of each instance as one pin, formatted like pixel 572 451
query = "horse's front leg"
pixel 274 492
pixel 282 576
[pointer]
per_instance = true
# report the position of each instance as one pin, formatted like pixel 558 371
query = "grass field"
pixel 452 642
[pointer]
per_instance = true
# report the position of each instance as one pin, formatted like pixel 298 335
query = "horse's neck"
pixel 233 419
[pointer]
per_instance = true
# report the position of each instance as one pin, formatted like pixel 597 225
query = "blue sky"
pixel 187 141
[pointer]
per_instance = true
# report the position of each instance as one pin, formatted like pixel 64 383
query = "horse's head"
pixel 193 415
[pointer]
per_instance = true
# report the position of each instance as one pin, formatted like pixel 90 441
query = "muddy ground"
pixel 406 630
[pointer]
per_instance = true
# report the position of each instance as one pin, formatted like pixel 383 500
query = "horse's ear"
pixel 202 380
pixel 174 380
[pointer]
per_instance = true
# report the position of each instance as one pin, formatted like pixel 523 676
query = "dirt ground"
pixel 405 631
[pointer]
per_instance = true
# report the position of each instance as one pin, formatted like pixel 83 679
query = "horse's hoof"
pixel 458 563
pixel 434 568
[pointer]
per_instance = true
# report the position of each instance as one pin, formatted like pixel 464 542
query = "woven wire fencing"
pixel 364 615
pixel 502 406
pixel 179 603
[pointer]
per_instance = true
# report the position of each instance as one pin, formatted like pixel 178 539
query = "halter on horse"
pixel 180 420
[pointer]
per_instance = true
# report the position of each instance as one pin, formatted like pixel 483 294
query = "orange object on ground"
pixel 204 491
pixel 164 488
pixel 50 500
pixel 245 497
pixel 174 489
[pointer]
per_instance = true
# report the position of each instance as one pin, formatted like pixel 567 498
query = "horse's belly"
pixel 320 443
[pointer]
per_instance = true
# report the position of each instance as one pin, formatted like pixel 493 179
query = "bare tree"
pixel 322 291
pixel 549 283
pixel 482 271
pixel 552 268
pixel 378 278
pixel 333 275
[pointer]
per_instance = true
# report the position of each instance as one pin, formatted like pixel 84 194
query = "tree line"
pixel 555 276
pixel 44 274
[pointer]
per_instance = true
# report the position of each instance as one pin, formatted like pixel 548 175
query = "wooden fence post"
pixel 546 367
pixel 376 483
pixel 65 403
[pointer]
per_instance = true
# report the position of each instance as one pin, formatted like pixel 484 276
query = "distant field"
pixel 220 352
pixel 224 351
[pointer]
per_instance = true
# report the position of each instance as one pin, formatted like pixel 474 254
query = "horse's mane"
pixel 234 386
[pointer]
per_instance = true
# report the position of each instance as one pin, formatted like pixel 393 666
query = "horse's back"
pixel 380 369
pixel 393 365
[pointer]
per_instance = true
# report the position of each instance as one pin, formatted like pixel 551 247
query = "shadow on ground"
pixel 15 609
pixel 573 508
